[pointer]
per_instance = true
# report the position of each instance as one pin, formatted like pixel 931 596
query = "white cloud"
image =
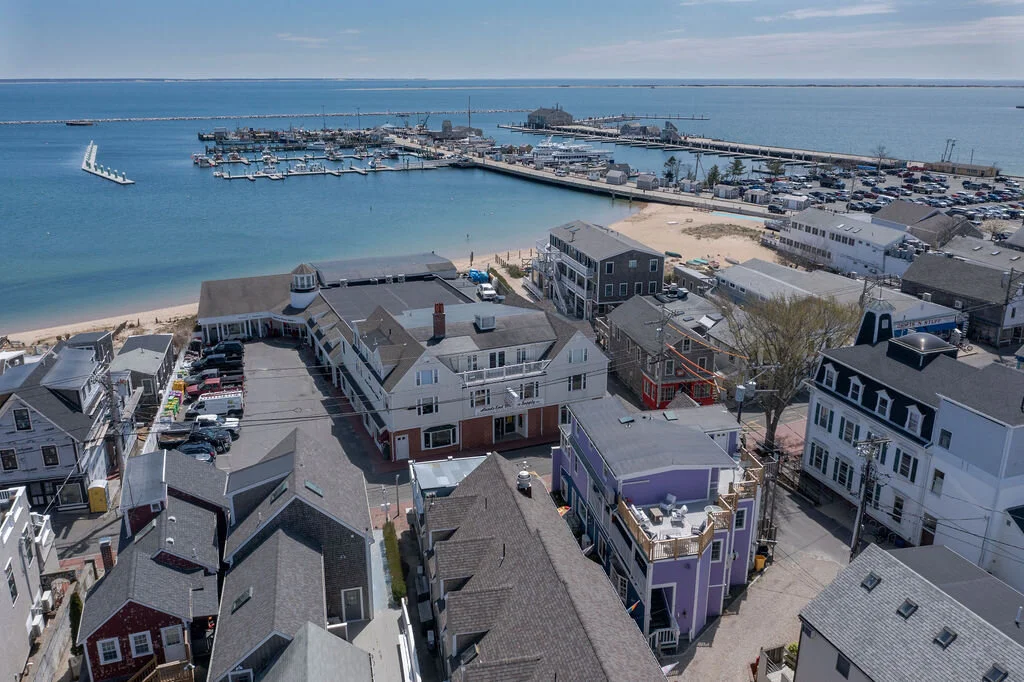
pixel 693 3
pixel 350 32
pixel 304 41
pixel 861 10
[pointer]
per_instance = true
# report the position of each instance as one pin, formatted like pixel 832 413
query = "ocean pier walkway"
pixel 709 145
pixel 231 117
pixel 89 165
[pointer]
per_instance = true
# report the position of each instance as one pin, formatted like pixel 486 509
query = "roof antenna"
pixel 1020 612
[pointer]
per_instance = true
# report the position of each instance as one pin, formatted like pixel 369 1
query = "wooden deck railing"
pixel 669 548
pixel 144 672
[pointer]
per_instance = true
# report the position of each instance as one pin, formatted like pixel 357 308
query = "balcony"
pixel 484 376
pixel 666 543
pixel 576 265
pixel 753 476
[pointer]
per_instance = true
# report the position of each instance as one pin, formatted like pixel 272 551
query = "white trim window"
pixel 481 397
pixel 905 464
pixel 842 473
pixel 716 551
pixel 240 676
pixel 914 419
pixel 849 431
pixel 9 460
pixel 653 265
pixel 883 404
pixel 823 416
pixel 578 382
pixel 938 479
pixel 109 651
pixel 426 377
pixel 856 390
pixel 521 356
pixel 529 390
pixel 439 437
pixel 897 509
pixel 577 355
pixel 50 456
pixel 142 644
pixel 830 377
pixel 12 583
pixel 22 419
pixel 817 458
pixel 426 406
pixel 740 519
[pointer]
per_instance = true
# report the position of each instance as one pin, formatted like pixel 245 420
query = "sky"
pixel 684 39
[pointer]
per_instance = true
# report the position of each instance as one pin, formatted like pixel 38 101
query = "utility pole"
pixel 662 322
pixel 868 449
pixel 115 421
pixel 398 509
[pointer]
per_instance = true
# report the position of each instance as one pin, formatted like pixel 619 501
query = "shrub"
pixel 394 562
pixel 515 271
pixel 502 285
pixel 75 613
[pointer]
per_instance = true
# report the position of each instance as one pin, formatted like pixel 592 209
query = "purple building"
pixel 667 503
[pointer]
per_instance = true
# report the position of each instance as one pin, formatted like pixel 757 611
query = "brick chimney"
pixel 439 321
pixel 107 553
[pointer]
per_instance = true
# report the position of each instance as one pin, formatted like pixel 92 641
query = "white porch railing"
pixel 482 376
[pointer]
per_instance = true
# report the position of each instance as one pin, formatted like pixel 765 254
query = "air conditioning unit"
pixel 959 305
pixel 37 626
pixel 47 600
pixel 484 322
pixel 926 297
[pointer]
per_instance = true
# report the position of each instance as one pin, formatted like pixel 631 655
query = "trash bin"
pixel 759 560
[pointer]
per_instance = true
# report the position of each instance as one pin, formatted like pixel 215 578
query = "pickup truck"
pixel 221 383
pixel 199 377
pixel 229 424
pixel 486 292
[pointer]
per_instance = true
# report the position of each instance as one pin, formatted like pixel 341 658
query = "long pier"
pixel 89 165
pixel 230 117
pixel 709 145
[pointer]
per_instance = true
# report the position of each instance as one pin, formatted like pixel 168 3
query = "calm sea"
pixel 73 246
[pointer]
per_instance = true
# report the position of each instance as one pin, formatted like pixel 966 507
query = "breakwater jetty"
pixel 230 117
pixel 90 166
pixel 707 145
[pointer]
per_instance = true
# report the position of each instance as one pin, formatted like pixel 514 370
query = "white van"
pixel 227 403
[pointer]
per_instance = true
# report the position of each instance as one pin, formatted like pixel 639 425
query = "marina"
pixel 90 166
pixel 301 170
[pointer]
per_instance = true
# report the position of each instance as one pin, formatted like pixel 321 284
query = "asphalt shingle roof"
pixel 137 360
pixel 143 479
pixel 315 655
pixel 196 478
pixel 287 582
pixel 158 343
pixel 649 442
pixel 544 609
pixel 905 212
pixel 319 462
pixel 878 235
pixel 970 280
pixel 866 627
pixel 599 242
pixel 225 297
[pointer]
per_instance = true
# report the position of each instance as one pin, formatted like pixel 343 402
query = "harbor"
pixel 90 166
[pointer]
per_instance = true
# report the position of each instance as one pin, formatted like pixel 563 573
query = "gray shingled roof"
pixel 320 461
pixel 637 317
pixel 315 655
pixel 994 390
pixel 158 343
pixel 143 479
pixel 286 577
pixel 599 242
pixel 970 280
pixel 985 252
pixel 865 231
pixel 137 360
pixel 196 478
pixel 905 212
pixel 571 625
pixel 224 297
pixel 648 443
pixel 189 531
pixel 357 269
pixel 137 577
pixel 866 627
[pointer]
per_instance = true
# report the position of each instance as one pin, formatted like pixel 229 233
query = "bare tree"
pixel 775 167
pixel 786 334
pixel 879 152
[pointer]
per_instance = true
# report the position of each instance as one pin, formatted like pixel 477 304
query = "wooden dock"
pixel 90 166
pixel 712 146
pixel 337 172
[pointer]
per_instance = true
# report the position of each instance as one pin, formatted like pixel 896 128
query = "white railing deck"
pixel 482 376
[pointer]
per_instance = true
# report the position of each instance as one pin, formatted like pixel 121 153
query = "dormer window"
pixel 856 389
pixel 914 420
pixel 883 404
pixel 830 376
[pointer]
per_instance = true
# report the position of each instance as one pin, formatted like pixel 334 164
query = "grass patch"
pixel 515 271
pixel 503 286
pixel 718 230
pixel 398 590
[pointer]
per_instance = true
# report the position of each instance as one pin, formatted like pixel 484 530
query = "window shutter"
pixel 884 450
pixel 856 432
pixel 913 469
pixel 831 414
pixel 824 463
pixel 835 469
pixel 817 412
pixel 842 426
pixel 896 460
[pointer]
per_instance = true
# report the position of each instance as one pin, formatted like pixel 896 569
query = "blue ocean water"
pixel 73 246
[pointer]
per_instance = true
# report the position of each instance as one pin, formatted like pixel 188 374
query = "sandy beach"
pixel 686 231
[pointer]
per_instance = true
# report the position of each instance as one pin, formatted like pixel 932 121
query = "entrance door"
pixel 352 603
pixel 402 447
pixel 174 643
pixel 928 530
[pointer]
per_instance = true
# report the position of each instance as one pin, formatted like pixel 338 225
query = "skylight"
pixel 907 608
pixel 626 420
pixel 945 637
pixel 870 581
pixel 241 599
pixel 315 488
pixel 996 673
pixel 670 416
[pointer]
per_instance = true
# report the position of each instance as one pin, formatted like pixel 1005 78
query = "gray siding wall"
pixel 28 446
pixel 623 273
pixel 345 552
pixel 15 616
pixel 246 501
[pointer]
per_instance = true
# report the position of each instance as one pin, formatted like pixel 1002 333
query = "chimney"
pixel 439 321
pixel 107 553
pixel 523 483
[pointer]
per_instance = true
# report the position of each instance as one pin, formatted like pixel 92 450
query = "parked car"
pixel 204 452
pixel 211 385
pixel 230 424
pixel 217 437
pixel 486 292
pixel 227 403
pixel 229 348
pixel 217 361
pixel 778 210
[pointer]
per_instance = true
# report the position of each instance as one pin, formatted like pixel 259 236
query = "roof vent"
pixel 241 599
pixel 945 638
pixel 313 487
pixel 907 608
pixel 626 420
pixel 523 483
pixel 484 322
pixel 170 541
pixel 172 519
pixel 870 581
